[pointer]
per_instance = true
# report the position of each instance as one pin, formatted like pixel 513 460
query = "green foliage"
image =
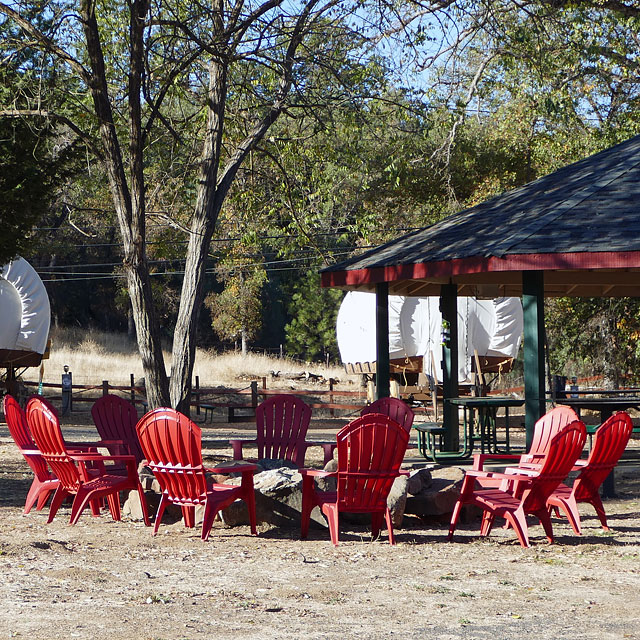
pixel 311 334
pixel 595 336
pixel 237 310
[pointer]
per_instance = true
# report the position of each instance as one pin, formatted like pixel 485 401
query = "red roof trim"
pixel 516 262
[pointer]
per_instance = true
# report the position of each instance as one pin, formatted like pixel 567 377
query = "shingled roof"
pixel 580 225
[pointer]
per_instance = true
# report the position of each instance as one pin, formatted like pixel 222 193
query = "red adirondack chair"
pixel 395 408
pixel 115 419
pixel 610 441
pixel 172 445
pixel 370 452
pixel 282 422
pixel 562 453
pixel 544 431
pixel 44 482
pixel 89 485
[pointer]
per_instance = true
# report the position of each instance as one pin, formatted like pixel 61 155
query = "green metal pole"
pixel 449 309
pixel 382 340
pixel 533 307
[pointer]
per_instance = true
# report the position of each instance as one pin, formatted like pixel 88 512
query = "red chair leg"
pixel 392 537
pixel 518 521
pixel 58 499
pixel 161 507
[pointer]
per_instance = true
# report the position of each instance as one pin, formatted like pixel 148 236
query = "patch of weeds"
pixel 507 583
pixel 441 605
pixel 466 594
pixel 438 589
pixel 448 576
pixel 157 598
pixel 464 622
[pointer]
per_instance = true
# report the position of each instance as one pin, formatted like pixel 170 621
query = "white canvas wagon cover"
pixel 490 327
pixel 25 314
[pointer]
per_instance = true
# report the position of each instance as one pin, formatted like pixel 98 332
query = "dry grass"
pixel 94 356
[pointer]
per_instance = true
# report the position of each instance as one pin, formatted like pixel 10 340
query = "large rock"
pixel 278 500
pixel 441 496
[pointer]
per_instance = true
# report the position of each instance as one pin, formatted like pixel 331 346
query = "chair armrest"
pixel 234 468
pixel 479 458
pixel 317 473
pixel 530 472
pixel 88 457
pixel 327 448
pixel 492 475
pixel 236 445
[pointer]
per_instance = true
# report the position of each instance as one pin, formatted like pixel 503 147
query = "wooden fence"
pixel 207 399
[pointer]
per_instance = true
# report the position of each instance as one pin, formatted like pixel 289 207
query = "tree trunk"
pixel 244 342
pixel 207 208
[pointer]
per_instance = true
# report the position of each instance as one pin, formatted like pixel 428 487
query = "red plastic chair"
pixel 610 441
pixel 544 431
pixel 88 485
pixel 44 482
pixel 115 419
pixel 395 408
pixel 282 422
pixel 172 445
pixel 562 453
pixel 370 452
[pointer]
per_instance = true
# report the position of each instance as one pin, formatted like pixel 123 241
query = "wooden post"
pixel 254 393
pixel 264 382
pixel 197 395
pixel 382 340
pixel 450 419
pixel 105 387
pixel 533 311
pixel 331 383
pixel 132 381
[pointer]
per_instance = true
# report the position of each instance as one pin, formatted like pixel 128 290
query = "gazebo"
pixel 574 232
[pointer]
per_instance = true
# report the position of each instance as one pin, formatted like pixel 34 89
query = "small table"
pixel 484 427
pixel 606 406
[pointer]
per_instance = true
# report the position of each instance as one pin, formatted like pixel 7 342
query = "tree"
pixel 311 334
pixel 157 72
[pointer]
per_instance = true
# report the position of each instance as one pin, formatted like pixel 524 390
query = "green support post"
pixel 533 307
pixel 450 419
pixel 382 340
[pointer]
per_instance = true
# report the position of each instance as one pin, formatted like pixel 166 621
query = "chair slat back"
pixel 19 429
pixel 548 426
pixel 370 452
pixel 47 434
pixel 282 422
pixel 172 446
pixel 563 451
pixel 609 442
pixel 395 408
pixel 115 419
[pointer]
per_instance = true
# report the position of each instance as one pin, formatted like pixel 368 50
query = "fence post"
pixel 132 380
pixel 105 387
pixel 264 382
pixel 197 395
pixel 331 382
pixel 254 393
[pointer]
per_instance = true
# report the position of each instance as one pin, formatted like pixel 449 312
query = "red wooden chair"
pixel 610 441
pixel 395 408
pixel 88 485
pixel 172 445
pixel 281 423
pixel 370 452
pixel 115 419
pixel 562 453
pixel 44 482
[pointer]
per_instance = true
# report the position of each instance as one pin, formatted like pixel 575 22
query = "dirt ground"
pixel 102 578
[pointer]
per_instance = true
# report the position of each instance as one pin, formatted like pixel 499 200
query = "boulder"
pixel 441 496
pixel 278 500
